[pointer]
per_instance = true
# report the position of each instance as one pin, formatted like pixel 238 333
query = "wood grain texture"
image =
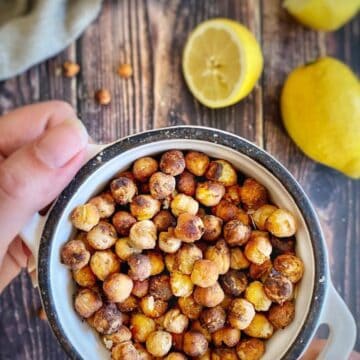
pixel 150 36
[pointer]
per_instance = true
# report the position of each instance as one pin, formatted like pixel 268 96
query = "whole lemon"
pixel 320 105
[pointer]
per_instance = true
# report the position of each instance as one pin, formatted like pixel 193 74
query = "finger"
pixel 23 125
pixel 35 174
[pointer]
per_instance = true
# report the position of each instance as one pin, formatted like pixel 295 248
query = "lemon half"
pixel 222 61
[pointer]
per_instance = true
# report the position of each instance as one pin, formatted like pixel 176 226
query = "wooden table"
pixel 150 35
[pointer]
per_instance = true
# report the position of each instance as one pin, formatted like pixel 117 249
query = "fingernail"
pixel 61 143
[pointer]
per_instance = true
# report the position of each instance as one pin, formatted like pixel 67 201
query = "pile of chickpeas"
pixel 182 257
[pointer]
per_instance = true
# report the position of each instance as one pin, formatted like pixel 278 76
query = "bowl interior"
pixel 85 341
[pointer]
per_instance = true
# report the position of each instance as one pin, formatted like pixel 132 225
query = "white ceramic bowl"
pixel 316 302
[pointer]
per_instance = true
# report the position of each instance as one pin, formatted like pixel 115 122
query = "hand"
pixel 42 147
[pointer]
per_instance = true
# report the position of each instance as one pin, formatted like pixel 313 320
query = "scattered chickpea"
pixel 161 185
pixel 290 266
pixel 185 258
pixel 195 343
pixel 221 171
pixel 130 304
pixel 250 349
pixel 190 307
pixel 141 327
pixel 260 327
pixel 144 167
pixel 87 302
pixel 281 223
pixel 160 287
pixel 209 297
pixel 209 193
pixel 75 255
pixel 205 273
pixel 139 267
pixel 189 228
pixel 256 295
pixel 241 313
pixel 212 226
pixel 144 207
pixel 234 282
pixel 156 262
pixel 181 284
pixel 172 162
pixel 260 272
pixel 168 242
pixel 278 288
pixel 261 215
pixel 124 351
pixel 85 217
pixel 42 314
pixel 236 233
pixel 143 235
pixel 163 220
pixel 196 162
pixel 117 287
pixel 159 343
pixel 227 336
pixel 123 190
pixel 258 248
pixel 123 250
pixel 123 221
pixel 186 184
pixel 107 320
pixel 253 194
pixel 102 236
pixel 184 204
pixel 103 96
pixel 232 194
pixel 238 260
pixel 105 204
pixel 213 319
pixel 70 69
pixel 103 263
pixel 175 321
pixel 220 255
pixel 140 288
pixel 125 71
pixel 153 307
pixel 224 354
pixel 281 316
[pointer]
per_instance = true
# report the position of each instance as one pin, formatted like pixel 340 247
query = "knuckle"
pixel 12 186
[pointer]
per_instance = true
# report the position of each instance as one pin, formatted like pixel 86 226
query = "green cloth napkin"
pixel 34 30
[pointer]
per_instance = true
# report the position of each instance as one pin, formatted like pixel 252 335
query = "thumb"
pixel 34 175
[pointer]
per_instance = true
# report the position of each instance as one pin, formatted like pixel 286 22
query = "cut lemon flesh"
pixel 221 62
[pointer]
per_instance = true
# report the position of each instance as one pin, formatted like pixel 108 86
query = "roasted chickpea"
pixel 283 245
pixel 281 316
pixel 250 349
pixel 143 353
pixel 172 162
pixel 84 277
pixel 227 336
pixel 234 282
pixel 156 261
pixel 123 250
pixel 278 288
pixel 163 220
pixel 168 242
pixel 139 267
pixel 144 167
pixel 256 295
pixel 260 271
pixel 143 235
pixel 107 320
pixel 225 304
pixel 196 326
pixel 170 262
pixel 196 162
pixel 253 194
pixel 212 226
pixel 117 287
pixel 281 223
pixel 87 302
pixel 260 327
pixel 195 343
pixel 228 211
pixel 224 354
pixel 102 236
pixel 184 204
pixel 181 284
pixel 124 351
pixel 232 194
pixel 103 263
pixel 123 221
pixel 189 307
pixel 75 255
pixel 186 257
pixel 238 260
pixel 221 171
pixel 130 304
pixel 175 321
pixel 258 248
pixel 290 266
pixel 82 236
pixel 189 228
pixel 236 233
pixel 144 207
pixel 160 287
pixel 186 183
pixel 105 204
pixel 161 185
pixel 205 356
pixel 123 190
pixel 140 288
pixel 210 296
pixel 141 327
pixel 159 343
pixel 220 255
pixel 241 313
pixel 209 193
pixel 205 273
pixel 153 307
pixel 128 174
pixel 122 335
pixel 176 356
pixel 261 215
pixel 213 319
pixel 85 217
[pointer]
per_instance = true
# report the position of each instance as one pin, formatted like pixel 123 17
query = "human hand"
pixel 42 147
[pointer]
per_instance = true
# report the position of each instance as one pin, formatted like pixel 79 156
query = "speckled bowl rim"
pixel 194 133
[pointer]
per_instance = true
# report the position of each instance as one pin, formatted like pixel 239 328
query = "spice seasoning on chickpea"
pixel 159 343
pixel 181 284
pixel 290 266
pixel 144 207
pixel 241 313
pixel 210 296
pixel 160 287
pixel 84 277
pixel 124 351
pixel 253 194
pixel 221 171
pixel 161 185
pixel 130 304
pixel 232 194
pixel 172 162
pixel 141 327
pixel 163 220
pixel 186 184
pixel 140 288
pixel 205 273
pixel 227 336
pixel 260 271
pixel 139 267
pixel 236 233
pixel 281 223
pixel 102 236
pixel 250 349
pixel 85 217
pixel 144 167
pixel 123 190
pixel 123 250
pixel 103 263
pixel 234 282
pixel 107 320
pixel 185 258
pixel 75 255
pixel 213 319
pixel 175 322
pixel 156 262
pixel 258 249
pixel 123 221
pixel 182 203
pixel 143 235
pixel 220 255
pixel 238 260
pixel 189 228
pixel 189 307
pixel 278 288
pixel 117 287
pixel 87 302
pixel 105 204
pixel 195 343
pixel 224 354
pixel 168 242
pixel 196 162
pixel 209 193
pixel 153 307
pixel 212 226
pixel 281 316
